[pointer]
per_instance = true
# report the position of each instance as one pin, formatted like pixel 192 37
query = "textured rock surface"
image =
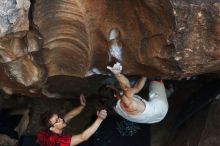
pixel 13 16
pixel 79 31
pixel 66 46
pixel 68 40
pixel 196 38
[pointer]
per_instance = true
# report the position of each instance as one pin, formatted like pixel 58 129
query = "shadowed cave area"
pixel 193 107
pixel 53 50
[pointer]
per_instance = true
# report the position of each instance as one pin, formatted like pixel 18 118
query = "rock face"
pixel 14 16
pixel 79 30
pixel 65 48
pixel 196 38
pixel 69 40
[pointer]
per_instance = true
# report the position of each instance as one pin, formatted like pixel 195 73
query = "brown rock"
pixel 171 39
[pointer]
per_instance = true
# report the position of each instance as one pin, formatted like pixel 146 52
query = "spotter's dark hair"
pixel 45 117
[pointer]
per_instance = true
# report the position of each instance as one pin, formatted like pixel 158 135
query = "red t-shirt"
pixel 46 138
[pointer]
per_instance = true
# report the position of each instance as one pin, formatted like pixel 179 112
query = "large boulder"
pixel 69 40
